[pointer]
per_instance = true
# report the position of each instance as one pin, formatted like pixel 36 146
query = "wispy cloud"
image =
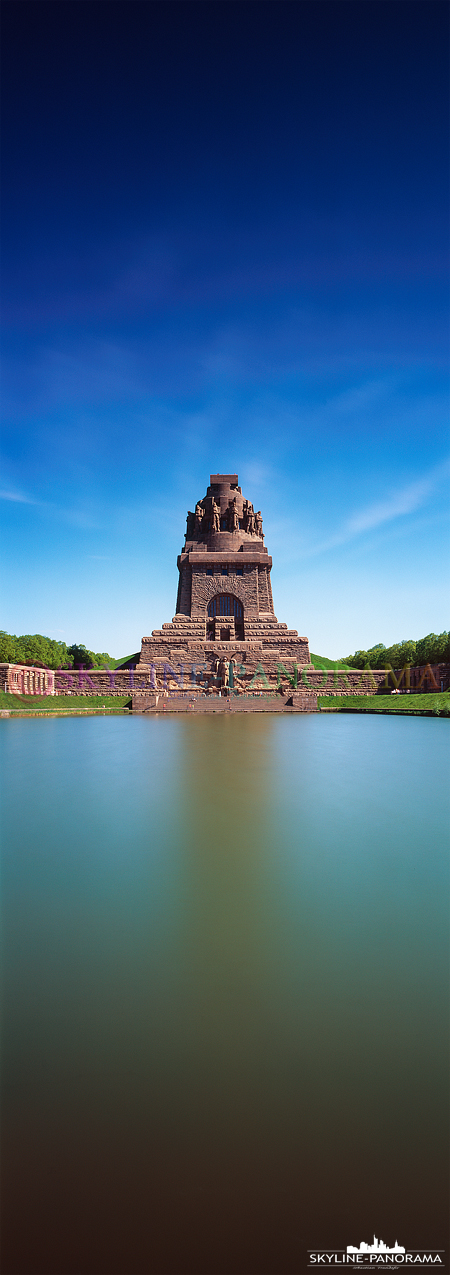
pixel 82 518
pixel 255 474
pixel 400 502
pixel 405 500
pixel 363 397
pixel 19 497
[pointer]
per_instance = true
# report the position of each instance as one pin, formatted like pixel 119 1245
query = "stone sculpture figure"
pixel 223 672
pixel 198 517
pixel 215 516
pixel 233 516
pixel 250 528
pixel 258 523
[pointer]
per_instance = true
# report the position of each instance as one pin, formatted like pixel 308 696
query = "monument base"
pixel 297 702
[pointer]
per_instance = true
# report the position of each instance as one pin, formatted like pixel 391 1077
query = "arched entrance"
pixel 225 618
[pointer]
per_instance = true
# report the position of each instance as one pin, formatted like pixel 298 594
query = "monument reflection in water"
pixel 225 991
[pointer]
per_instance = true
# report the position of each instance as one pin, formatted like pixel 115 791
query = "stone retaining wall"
pixel 255 668
pixel 263 672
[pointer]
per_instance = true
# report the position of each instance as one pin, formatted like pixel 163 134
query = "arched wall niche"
pixel 225 618
pixel 225 604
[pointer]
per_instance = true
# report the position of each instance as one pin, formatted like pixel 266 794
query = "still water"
pixel 225 991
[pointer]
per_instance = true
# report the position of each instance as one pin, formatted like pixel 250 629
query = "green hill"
pixel 321 661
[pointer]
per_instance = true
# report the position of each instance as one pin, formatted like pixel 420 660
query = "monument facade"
pixel 224 608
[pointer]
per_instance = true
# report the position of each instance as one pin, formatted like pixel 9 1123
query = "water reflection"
pixel 225 998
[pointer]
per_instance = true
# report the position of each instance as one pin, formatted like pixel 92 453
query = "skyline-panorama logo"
pixel 377 1253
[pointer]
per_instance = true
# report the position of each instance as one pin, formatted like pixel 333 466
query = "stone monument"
pixel 224 610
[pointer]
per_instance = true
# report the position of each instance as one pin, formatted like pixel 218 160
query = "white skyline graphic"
pixel 378 1246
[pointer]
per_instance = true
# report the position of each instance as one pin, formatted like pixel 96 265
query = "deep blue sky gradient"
pixel 225 247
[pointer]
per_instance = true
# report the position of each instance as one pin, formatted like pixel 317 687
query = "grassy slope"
pixel 321 661
pixel 123 659
pixel 51 703
pixel 439 702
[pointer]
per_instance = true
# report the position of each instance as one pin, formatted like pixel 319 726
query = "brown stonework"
pixel 146 679
pixel 257 703
pixel 224 599
pixel 21 679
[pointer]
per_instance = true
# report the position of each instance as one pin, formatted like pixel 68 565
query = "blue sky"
pixel 225 247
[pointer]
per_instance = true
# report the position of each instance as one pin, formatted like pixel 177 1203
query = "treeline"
pixel 45 652
pixel 432 649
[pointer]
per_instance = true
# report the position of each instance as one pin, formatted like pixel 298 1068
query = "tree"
pixel 359 660
pixel 80 656
pixel 45 652
pixel 34 648
pixel 6 648
pixel 433 649
pixel 103 660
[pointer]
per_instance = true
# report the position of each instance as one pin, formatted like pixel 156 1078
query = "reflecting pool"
pixel 225 1007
